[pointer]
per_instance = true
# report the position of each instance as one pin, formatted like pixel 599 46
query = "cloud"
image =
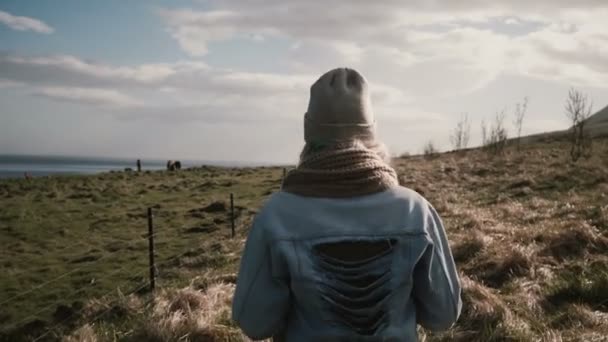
pixel 92 96
pixel 9 84
pixel 180 91
pixel 378 23
pixel 72 70
pixel 24 23
pixel 395 37
pixel 184 86
pixel 420 58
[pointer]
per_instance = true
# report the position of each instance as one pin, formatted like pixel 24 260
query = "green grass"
pixel 528 232
pixel 87 235
pixel 581 285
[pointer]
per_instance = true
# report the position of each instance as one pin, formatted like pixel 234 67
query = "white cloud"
pixel 460 36
pixel 426 61
pixel 69 69
pixel 180 91
pixel 92 96
pixel 512 21
pixel 24 23
pixel 9 84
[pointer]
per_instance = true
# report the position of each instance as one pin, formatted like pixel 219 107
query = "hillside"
pixel 599 117
pixel 529 232
pixel 596 126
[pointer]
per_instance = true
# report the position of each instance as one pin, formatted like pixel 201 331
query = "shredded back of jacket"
pixel 367 268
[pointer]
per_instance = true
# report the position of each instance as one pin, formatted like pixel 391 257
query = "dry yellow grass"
pixel 191 315
pixel 187 314
pixel 529 232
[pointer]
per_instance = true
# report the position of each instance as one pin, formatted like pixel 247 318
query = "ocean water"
pixel 14 166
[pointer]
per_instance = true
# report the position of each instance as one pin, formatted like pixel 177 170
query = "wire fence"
pixel 140 286
pixel 63 275
pixel 136 286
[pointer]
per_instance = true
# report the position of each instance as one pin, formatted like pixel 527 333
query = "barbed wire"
pixel 142 237
pixel 61 276
pixel 71 314
pixel 55 326
pixel 165 262
pixel 76 291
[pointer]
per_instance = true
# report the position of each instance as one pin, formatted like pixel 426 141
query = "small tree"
pixel 518 120
pixel 497 140
pixel 484 133
pixel 462 133
pixel 578 110
pixel 429 149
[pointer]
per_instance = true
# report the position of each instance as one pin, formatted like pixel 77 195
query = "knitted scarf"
pixel 345 172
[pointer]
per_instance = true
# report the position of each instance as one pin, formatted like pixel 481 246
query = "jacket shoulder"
pixel 409 196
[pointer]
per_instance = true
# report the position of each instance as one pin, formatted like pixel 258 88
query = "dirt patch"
pixel 202 229
pixel 215 207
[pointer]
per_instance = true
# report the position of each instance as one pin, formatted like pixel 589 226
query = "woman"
pixel 342 252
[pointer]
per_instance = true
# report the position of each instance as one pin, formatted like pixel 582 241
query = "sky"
pixel 229 80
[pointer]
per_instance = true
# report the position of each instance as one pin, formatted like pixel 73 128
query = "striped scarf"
pixel 348 171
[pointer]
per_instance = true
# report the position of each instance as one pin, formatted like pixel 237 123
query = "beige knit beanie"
pixel 339 109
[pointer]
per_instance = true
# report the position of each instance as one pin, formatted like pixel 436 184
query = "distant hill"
pixel 596 125
pixel 599 117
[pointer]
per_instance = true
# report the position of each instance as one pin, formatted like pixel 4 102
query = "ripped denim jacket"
pixel 361 269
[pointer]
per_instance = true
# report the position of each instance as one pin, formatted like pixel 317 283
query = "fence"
pixel 148 285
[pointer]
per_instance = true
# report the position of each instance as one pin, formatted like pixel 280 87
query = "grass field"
pixel 87 235
pixel 529 232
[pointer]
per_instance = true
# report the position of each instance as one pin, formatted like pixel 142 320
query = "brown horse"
pixel 173 165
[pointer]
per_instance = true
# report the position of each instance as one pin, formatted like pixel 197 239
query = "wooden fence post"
pixel 232 212
pixel 151 250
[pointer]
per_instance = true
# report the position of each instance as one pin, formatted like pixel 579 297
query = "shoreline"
pixel 6 175
pixel 21 166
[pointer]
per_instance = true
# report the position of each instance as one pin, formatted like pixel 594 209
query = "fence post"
pixel 151 250
pixel 284 173
pixel 232 212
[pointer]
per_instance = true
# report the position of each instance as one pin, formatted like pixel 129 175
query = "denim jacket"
pixel 292 287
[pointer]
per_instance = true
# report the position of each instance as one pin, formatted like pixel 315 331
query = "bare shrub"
pixel 578 110
pixel 429 150
pixel 461 134
pixel 497 140
pixel 518 120
pixel 484 133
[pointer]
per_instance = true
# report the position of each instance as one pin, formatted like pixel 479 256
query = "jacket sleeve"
pixel 261 300
pixel 436 289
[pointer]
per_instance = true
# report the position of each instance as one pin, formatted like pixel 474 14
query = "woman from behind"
pixel 342 252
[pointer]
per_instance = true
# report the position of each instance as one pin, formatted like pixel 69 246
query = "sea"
pixel 16 166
